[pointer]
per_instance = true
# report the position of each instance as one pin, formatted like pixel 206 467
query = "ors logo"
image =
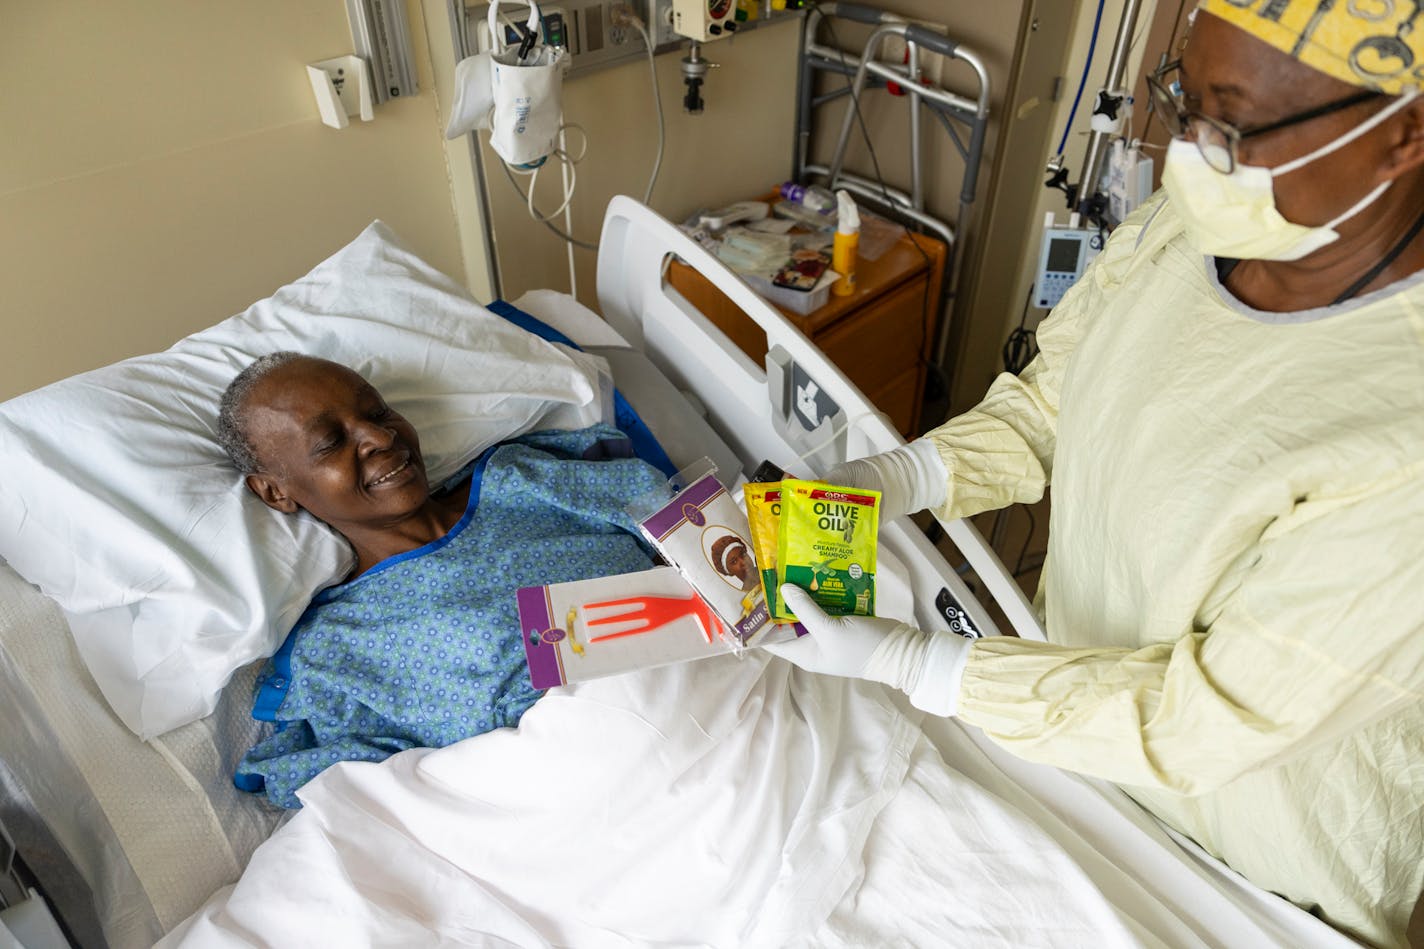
pixel 693 515
pixel 552 636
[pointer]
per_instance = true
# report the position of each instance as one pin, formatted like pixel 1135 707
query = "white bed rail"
pixel 755 420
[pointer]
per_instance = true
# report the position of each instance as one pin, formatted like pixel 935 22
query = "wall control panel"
pixel 704 20
pixel 1062 257
pixel 553 28
pixel 583 27
pixel 594 41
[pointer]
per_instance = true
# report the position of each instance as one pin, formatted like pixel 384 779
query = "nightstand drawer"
pixel 900 401
pixel 883 343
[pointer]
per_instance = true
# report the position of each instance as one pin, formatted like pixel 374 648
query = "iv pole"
pixel 1088 192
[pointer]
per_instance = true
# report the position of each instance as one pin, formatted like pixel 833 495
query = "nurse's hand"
pixel 926 666
pixel 909 478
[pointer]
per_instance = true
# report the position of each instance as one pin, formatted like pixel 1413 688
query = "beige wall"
pixel 162 166
pixel 743 145
pixel 739 147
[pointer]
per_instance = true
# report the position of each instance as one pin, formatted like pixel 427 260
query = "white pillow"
pixel 117 500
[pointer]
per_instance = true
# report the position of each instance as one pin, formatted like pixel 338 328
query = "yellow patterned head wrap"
pixel 1378 44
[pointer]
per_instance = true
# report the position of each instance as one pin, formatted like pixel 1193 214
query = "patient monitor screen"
pixel 1062 256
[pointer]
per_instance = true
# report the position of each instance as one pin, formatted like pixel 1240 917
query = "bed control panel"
pixel 953 614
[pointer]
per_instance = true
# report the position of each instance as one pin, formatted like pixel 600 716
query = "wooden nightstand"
pixel 879 336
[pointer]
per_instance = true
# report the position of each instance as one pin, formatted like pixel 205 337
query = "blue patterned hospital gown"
pixel 423 649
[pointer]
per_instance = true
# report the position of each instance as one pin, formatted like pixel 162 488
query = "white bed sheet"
pixel 727 803
pixel 717 803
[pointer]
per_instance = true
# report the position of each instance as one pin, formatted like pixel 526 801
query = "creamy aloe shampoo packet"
pixel 826 545
pixel 764 519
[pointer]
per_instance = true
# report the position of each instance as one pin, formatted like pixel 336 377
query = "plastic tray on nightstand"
pixel 797 301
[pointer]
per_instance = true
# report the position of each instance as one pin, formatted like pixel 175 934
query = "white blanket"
pixel 721 803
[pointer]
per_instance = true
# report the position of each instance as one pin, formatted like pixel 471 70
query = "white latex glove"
pixel 909 478
pixel 928 667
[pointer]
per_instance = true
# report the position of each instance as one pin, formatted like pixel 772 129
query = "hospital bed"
pixel 917 831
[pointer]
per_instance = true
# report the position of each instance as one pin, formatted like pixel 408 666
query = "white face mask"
pixel 1235 215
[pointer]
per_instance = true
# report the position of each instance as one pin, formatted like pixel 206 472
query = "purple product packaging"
pixel 703 532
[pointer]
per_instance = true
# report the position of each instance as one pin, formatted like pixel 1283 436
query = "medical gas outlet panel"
pixel 704 20
pixel 596 39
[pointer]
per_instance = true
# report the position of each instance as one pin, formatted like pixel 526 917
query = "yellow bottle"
pixel 845 246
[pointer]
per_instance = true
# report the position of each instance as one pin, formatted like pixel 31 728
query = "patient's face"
pixel 327 442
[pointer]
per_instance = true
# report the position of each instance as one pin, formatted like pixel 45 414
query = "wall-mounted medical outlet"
pixel 593 38
pixel 660 22
pixel 584 27
pixel 342 87
pixel 705 20
pixel 554 25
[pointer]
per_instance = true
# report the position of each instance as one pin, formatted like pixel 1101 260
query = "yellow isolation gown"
pixel 1234 588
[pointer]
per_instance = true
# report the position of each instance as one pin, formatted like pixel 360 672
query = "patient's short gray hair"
pixel 232 410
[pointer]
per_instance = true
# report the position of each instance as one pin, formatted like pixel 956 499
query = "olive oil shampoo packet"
pixel 826 545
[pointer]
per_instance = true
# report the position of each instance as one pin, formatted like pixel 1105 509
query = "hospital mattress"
pixel 145 830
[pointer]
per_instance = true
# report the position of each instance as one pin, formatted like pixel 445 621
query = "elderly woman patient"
pixel 419 645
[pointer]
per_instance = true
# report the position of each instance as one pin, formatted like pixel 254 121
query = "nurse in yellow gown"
pixel 1230 409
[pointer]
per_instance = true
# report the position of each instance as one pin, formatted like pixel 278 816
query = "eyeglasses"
pixel 1217 140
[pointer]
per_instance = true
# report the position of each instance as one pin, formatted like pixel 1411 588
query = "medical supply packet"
pixel 703 532
pixel 827 544
pixel 587 629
